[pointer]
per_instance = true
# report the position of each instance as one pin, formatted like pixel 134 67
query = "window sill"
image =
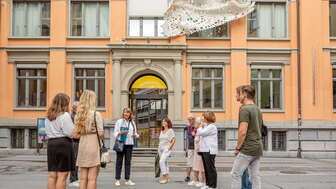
pixel 146 38
pixel 29 109
pixel 271 111
pixel 101 109
pixel 208 38
pixel 87 38
pixel 208 109
pixel 333 38
pixel 268 39
pixel 28 38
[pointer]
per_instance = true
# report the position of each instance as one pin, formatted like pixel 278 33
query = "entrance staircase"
pixel 144 152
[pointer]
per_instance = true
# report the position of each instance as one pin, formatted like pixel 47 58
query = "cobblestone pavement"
pixel 30 172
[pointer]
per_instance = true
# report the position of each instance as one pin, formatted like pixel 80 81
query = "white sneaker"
pixel 130 183
pixel 205 187
pixel 191 183
pixel 117 183
pixel 74 184
pixel 199 184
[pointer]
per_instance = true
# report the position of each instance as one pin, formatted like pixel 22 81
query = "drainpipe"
pixel 299 115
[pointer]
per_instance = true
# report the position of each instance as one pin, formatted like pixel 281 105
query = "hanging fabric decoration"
pixel 189 16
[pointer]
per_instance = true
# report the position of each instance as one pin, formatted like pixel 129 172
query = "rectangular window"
pixel 17 138
pixel 145 27
pixel 221 140
pixel 31 87
pixel 334 87
pixel 268 20
pixel 90 18
pixel 32 138
pixel 268 85
pixel 332 20
pixel 279 140
pixel 219 31
pixel 207 88
pixel 31 18
pixel 92 79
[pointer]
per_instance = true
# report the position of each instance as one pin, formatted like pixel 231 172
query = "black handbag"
pixel 119 145
pixel 102 149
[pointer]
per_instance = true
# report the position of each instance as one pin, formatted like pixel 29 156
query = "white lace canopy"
pixel 189 16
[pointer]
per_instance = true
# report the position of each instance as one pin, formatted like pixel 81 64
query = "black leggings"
pixel 210 169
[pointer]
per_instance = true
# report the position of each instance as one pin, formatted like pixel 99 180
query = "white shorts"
pixel 190 158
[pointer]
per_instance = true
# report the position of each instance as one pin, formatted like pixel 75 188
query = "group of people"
pixel 73 141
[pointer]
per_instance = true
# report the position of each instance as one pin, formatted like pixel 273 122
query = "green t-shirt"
pixel 252 145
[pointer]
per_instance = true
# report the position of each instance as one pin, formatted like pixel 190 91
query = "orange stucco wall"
pixel 316 67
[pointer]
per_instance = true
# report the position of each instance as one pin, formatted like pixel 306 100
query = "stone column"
pixel 26 138
pixel 178 90
pixel 124 99
pixel 171 103
pixel 116 92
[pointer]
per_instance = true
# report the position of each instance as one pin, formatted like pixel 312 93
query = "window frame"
pixel 71 36
pixel 12 138
pixel 282 80
pixel 285 141
pixel 273 2
pixel 96 78
pixel 31 141
pixel 141 19
pixel 226 38
pixel 331 2
pixel 333 79
pixel 223 148
pixel 11 30
pixel 200 109
pixel 39 78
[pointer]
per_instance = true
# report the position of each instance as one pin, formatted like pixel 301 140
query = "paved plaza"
pixel 30 172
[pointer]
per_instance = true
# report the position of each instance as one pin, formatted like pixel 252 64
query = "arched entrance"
pixel 149 102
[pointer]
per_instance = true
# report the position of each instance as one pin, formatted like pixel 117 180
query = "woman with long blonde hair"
pixel 88 122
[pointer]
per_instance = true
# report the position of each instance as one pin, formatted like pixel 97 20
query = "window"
pixel 207 88
pixel 332 20
pixel 279 140
pixel 219 31
pixel 31 18
pixel 32 138
pixel 334 87
pixel 90 18
pixel 268 20
pixel 31 87
pixel 265 143
pixel 268 85
pixel 221 140
pixel 92 79
pixel 17 136
pixel 145 27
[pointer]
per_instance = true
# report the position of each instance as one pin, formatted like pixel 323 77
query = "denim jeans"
pixel 246 184
pixel 240 164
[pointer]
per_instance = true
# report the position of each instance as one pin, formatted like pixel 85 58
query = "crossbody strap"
pixel 95 123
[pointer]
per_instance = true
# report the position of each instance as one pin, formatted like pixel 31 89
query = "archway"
pixel 149 101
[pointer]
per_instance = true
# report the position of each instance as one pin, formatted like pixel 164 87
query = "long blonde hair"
pixel 87 104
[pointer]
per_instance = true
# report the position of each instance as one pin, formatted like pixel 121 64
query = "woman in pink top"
pixel 198 163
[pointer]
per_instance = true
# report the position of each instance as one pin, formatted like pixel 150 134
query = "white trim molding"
pixel 268 59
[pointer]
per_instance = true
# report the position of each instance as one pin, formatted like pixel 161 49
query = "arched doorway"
pixel 149 102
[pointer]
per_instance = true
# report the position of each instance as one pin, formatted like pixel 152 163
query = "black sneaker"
pixel 187 179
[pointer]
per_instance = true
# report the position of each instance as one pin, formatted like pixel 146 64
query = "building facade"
pixel 285 48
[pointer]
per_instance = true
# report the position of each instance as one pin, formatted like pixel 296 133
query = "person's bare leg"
pixel 92 177
pixel 203 177
pixel 83 178
pixel 61 180
pixel 52 178
pixel 196 176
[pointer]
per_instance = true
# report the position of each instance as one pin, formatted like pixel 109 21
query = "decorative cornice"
pixel 166 46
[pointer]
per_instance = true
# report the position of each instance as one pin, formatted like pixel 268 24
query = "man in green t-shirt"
pixel 249 145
